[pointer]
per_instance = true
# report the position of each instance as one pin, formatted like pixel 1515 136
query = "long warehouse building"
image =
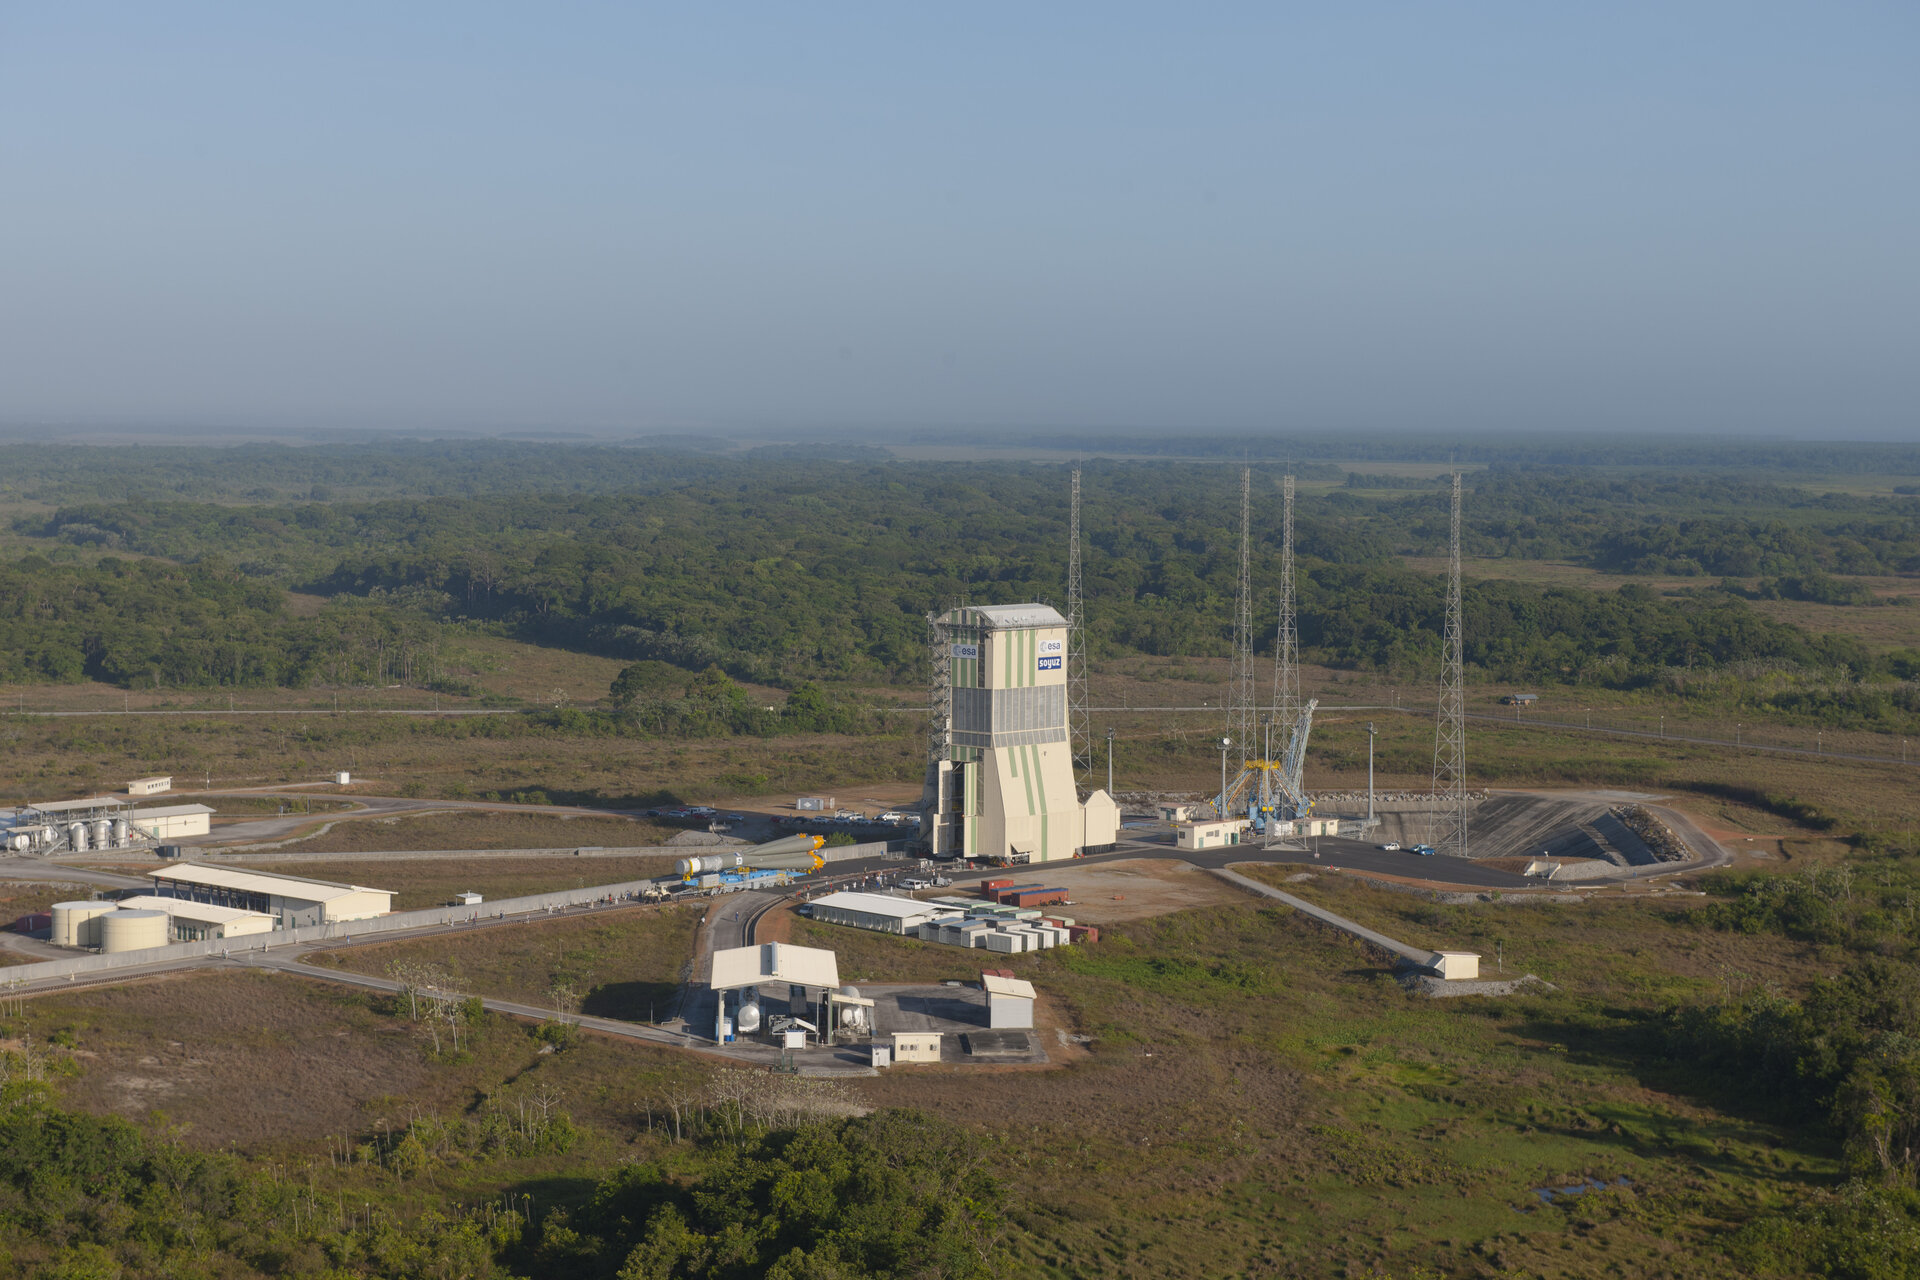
pixel 292 901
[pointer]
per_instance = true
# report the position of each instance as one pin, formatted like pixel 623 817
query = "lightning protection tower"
pixel 1448 818
pixel 1240 681
pixel 1286 650
pixel 1079 726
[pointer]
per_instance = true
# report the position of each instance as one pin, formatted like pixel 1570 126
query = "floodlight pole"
pixel 1369 771
pixel 1109 762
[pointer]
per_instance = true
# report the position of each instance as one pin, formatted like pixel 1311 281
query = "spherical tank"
pixel 749 1017
pixel 133 931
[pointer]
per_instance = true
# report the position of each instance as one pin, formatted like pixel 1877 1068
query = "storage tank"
pixel 749 1018
pixel 77 924
pixel 122 831
pixel 852 1016
pixel 103 834
pixel 19 841
pixel 134 931
pixel 77 837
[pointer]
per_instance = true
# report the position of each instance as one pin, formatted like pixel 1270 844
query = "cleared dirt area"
pixel 1134 889
pixel 432 882
pixel 483 829
pixel 623 963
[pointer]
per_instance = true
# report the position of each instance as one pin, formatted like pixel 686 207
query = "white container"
pixel 134 931
pixel 77 924
pixel 1003 943
pixel 343 777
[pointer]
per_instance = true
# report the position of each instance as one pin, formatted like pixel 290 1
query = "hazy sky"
pixel 1695 216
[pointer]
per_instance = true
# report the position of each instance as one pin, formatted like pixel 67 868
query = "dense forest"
pixel 790 566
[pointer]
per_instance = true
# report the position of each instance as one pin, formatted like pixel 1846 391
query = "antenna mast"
pixel 1079 729
pixel 1448 822
pixel 1240 682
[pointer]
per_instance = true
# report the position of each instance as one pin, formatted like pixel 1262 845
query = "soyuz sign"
pixel 1049 664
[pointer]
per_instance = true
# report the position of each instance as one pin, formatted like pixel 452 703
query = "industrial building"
pixel 1000 782
pixel 739 972
pixel 292 902
pixel 150 786
pixel 100 822
pixel 174 821
pixel 1210 835
pixel 198 921
pixel 880 912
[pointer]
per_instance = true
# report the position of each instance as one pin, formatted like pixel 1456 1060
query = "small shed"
pixel 1009 1002
pixel 1176 812
pixel 916 1046
pixel 150 786
pixel 1455 966
pixel 468 899
pixel 882 1053
pixel 1215 834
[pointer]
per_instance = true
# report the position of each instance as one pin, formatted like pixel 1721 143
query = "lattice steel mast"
pixel 1286 650
pixel 1448 822
pixel 1079 727
pixel 1240 710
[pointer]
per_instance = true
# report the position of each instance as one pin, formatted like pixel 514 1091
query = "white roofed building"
pixel 291 901
pixel 197 921
pixel 879 911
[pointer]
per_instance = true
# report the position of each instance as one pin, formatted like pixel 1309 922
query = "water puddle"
pixel 1549 1194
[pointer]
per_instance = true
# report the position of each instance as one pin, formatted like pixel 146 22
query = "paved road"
pixel 39 869
pixel 1351 855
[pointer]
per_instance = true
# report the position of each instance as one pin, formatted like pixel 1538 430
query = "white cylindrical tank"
pixel 134 931
pixel 18 841
pixel 749 1019
pixel 103 834
pixel 77 837
pixel 122 829
pixel 77 924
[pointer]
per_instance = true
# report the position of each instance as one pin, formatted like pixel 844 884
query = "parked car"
pixel 1391 845
pixel 736 817
pixel 1424 850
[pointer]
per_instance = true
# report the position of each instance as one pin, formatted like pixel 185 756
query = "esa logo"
pixel 1049 664
pixel 1051 646
pixel 966 651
